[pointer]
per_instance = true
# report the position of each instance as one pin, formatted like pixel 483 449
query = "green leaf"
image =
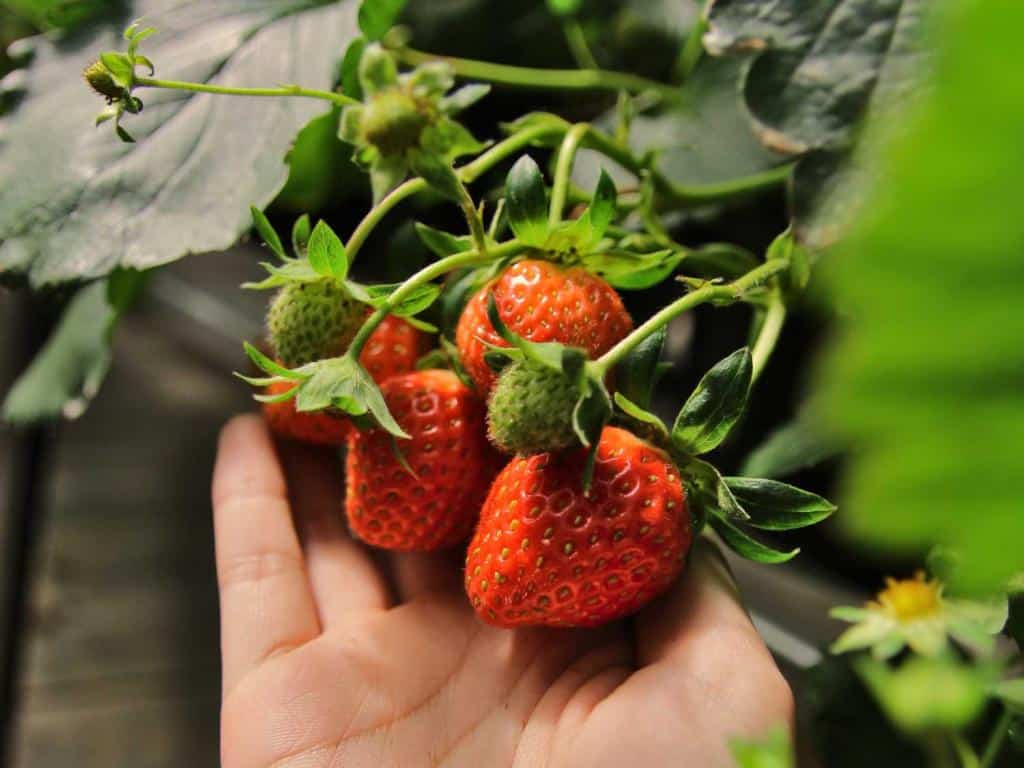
pixel 326 252
pixel 437 172
pixel 527 202
pixel 267 232
pixel 705 483
pixel 591 413
pixel 773 752
pixel 120 68
pixel 558 357
pixel 464 98
pixel 819 69
pixel 715 405
pixel 68 371
pixel 341 383
pixel 350 84
pixel 76 205
pixel 775 506
pixel 376 17
pixel 637 413
pixel 748 547
pixel 636 374
pixel 443 243
pixel 633 271
pixel 723 260
pixel 379 295
pixel 798 445
pixel 934 406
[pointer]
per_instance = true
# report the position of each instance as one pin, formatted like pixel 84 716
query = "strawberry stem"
pixel 284 90
pixel 563 171
pixel 768 335
pixel 728 292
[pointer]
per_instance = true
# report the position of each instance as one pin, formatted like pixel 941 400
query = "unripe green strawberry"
pixel 530 410
pixel 393 121
pixel 312 320
pixel 100 80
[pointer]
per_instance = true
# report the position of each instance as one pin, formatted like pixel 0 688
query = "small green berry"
pixel 312 321
pixel 530 410
pixel 393 122
pixel 100 80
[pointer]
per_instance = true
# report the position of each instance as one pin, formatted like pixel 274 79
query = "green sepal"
pixel 775 506
pixel 715 405
pixel 705 481
pixel 455 363
pixel 526 200
pixel 350 85
pixel 265 363
pixel 637 373
pixel 292 271
pixel 119 65
pixel 377 70
pixel 326 252
pixel 449 140
pixel 723 260
pixel 587 476
pixel 430 80
pixel 386 173
pixel 376 17
pixel 633 271
pixel 343 384
pixel 601 210
pixel 639 414
pixel 559 357
pixel 300 234
pixel 592 411
pixel 748 547
pixel 437 171
pixel 378 296
pixel 442 243
pixel 463 98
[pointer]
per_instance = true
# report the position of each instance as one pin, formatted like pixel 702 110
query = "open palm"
pixel 336 656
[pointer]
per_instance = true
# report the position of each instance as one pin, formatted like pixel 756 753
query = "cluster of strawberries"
pixel 546 548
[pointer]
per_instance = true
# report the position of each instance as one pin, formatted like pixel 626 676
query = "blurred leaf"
pixel 1015 620
pixel 376 17
pixel 1011 692
pixel 775 751
pixel 926 380
pixel 68 371
pixel 748 547
pixel 46 14
pixel 267 232
pixel 795 446
pixel 715 405
pixel 927 693
pixel 76 204
pixel 320 169
pixel 443 243
pixel 636 374
pixel 565 7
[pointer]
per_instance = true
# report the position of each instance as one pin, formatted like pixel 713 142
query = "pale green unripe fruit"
pixel 393 122
pixel 530 410
pixel 312 321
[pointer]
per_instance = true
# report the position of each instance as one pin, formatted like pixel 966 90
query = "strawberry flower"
pixel 915 613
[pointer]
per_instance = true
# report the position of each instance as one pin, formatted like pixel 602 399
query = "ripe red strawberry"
pixel 546 552
pixel 449 454
pixel 541 301
pixel 393 348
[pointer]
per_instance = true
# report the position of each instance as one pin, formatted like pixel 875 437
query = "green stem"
pixel 284 90
pixel 964 751
pixel 729 292
pixel 425 275
pixel 996 739
pixel 578 44
pixel 476 224
pixel 768 335
pixel 467 173
pixel 693 48
pixel 563 171
pixel 533 77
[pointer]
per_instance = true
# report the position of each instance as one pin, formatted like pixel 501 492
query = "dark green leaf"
pixel 68 371
pixel 715 405
pixel 527 202
pixel 705 483
pixel 76 204
pixel 437 172
pixel 748 547
pixel 326 252
pixel 267 232
pixel 300 234
pixel 457 292
pixel 376 17
pixel 935 405
pixel 723 260
pixel 634 411
pixel 775 506
pixel 443 243
pixel 635 375
pixel 791 448
pixel 341 383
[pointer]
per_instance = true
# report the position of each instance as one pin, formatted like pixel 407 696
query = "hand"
pixel 338 656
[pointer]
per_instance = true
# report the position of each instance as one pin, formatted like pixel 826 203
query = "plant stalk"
pixel 996 739
pixel 563 171
pixel 768 335
pixel 284 90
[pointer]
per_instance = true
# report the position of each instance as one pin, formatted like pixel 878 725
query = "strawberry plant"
pixel 502 391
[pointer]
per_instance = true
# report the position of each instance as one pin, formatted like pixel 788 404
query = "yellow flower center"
pixel 911 599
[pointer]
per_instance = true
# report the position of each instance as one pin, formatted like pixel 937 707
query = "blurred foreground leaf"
pixel 927 380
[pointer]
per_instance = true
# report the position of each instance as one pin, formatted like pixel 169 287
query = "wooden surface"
pixel 119 664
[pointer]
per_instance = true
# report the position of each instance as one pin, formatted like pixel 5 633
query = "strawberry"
pixel 548 552
pixel 541 301
pixel 530 410
pixel 452 464
pixel 309 321
pixel 393 348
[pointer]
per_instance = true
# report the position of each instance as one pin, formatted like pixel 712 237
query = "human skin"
pixel 337 656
